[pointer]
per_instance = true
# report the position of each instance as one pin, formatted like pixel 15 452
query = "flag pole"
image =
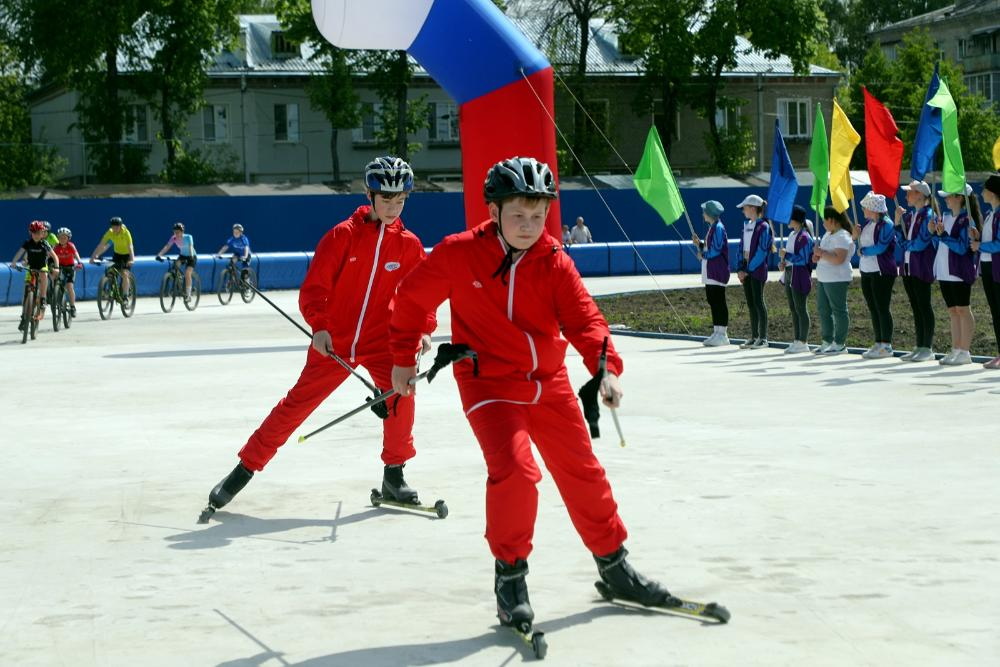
pixel 688 218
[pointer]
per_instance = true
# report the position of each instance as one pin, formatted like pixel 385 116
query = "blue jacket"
pixel 716 253
pixel 962 262
pixel 800 259
pixel 920 244
pixel 760 251
pixel 884 247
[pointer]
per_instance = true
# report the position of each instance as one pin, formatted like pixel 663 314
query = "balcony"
pixel 981 64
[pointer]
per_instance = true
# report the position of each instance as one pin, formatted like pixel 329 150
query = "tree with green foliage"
pixel 186 34
pixel 902 84
pixel 389 73
pixel 333 90
pixel 850 21
pixel 80 44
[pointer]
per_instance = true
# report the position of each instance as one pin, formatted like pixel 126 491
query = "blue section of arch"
pixel 470 48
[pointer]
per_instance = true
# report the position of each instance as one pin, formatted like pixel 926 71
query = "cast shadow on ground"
pixel 269 349
pixel 449 651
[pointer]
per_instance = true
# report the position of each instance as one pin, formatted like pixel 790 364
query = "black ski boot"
pixel 627 584
pixel 394 486
pixel 225 490
pixel 513 606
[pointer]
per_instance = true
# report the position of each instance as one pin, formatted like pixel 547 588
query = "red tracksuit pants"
pixel 319 378
pixel 555 424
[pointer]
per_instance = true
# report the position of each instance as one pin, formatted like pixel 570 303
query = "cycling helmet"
pixel 389 174
pixel 519 177
pixel 36 226
pixel 237 227
pixel 179 225
pixel 115 220
pixel 64 230
pixel 48 225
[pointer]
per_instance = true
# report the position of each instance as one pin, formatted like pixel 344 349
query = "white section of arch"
pixel 368 24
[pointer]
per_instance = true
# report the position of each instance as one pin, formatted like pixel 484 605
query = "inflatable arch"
pixel 502 84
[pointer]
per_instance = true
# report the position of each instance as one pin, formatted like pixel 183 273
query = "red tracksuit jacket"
pixel 352 279
pixel 515 328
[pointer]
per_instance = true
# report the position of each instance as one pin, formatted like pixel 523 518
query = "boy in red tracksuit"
pixel 345 300
pixel 512 291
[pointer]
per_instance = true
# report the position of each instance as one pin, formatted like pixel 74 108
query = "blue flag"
pixel 928 136
pixel 784 184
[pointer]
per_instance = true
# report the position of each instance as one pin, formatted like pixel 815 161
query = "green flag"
pixel 819 164
pixel 953 173
pixel 655 182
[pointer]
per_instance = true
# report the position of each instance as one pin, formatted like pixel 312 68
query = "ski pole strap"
pixel 447 354
pixel 588 393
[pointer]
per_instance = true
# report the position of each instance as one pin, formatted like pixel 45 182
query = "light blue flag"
pixel 784 184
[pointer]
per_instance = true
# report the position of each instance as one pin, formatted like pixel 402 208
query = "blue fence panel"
pixel 658 257
pixel 689 258
pixel 621 259
pixel 7 275
pixel 282 270
pixel 591 259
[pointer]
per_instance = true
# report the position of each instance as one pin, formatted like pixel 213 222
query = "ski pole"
pixel 618 427
pixel 372 388
pixel 447 353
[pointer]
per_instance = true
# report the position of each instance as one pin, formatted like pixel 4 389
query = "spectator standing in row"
pixel 580 233
pixel 989 268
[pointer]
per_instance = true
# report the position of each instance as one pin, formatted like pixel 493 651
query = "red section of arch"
pixel 507 122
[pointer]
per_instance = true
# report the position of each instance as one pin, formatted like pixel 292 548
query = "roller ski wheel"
pixel 674 604
pixel 439 508
pixel 534 640
pixel 206 514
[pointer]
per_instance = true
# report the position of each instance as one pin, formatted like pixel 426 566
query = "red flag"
pixel 883 147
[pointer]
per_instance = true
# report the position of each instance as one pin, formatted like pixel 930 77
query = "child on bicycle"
pixel 38 253
pixel 345 301
pixel 239 245
pixel 119 238
pixel 521 394
pixel 69 261
pixel 187 257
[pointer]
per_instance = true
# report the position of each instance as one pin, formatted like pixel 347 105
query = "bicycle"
pixel 232 279
pixel 172 286
pixel 31 306
pixel 62 309
pixel 109 292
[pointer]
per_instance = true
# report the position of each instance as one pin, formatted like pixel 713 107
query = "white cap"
pixel 751 200
pixel 920 187
pixel 874 202
pixel 945 193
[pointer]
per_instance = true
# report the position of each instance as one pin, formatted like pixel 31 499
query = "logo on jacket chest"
pixel 391 266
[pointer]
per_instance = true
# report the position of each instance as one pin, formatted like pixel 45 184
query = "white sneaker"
pixel 923 354
pixel 872 352
pixel 823 347
pixel 883 352
pixel 909 355
pixel 947 359
pixel 759 343
pixel 723 340
pixel 710 341
pixel 835 349
pixel 797 347
pixel 961 358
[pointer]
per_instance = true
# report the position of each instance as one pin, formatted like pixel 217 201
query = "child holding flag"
pixel 797 267
pixel 832 256
pixel 955 269
pixel 714 257
pixel 989 268
pixel 917 267
pixel 755 254
pixel 877 246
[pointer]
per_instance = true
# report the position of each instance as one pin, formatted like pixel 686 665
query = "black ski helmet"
pixel 519 177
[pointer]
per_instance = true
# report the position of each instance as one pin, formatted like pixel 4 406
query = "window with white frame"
pixel 442 122
pixel 728 117
pixel 794 117
pixel 286 122
pixel 136 124
pixel 215 121
pixel 371 123
pixel 985 85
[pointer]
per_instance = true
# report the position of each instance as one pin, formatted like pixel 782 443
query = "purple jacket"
pixel 993 246
pixel 962 262
pixel 760 251
pixel 799 260
pixel 919 243
pixel 884 248
pixel 716 253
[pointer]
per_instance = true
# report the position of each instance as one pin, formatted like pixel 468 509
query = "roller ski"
pixel 224 491
pixel 514 608
pixel 620 583
pixel 396 493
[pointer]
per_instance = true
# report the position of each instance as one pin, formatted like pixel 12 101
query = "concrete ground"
pixel 845 511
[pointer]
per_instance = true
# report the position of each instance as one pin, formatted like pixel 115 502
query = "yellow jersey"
pixel 122 240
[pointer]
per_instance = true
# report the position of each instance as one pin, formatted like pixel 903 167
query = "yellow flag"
pixel 996 155
pixel 843 140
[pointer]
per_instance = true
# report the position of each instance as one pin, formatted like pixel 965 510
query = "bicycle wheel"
pixel 128 302
pixel 64 309
pixel 226 287
pixel 246 293
pixel 192 303
pixel 105 297
pixel 27 309
pixel 54 306
pixel 37 310
pixel 167 292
